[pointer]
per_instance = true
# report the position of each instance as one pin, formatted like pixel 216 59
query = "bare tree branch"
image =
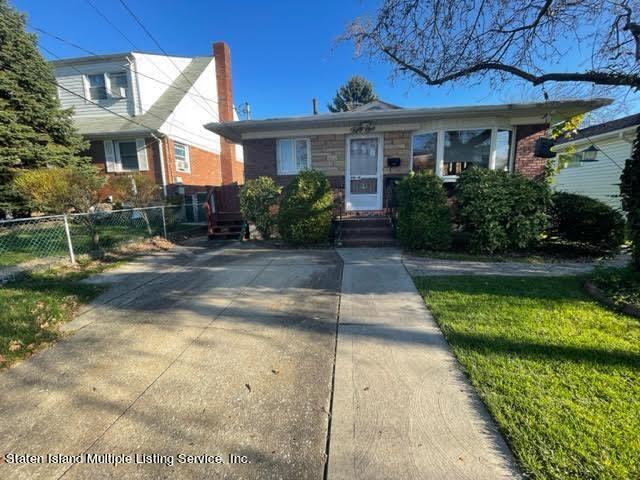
pixel 439 41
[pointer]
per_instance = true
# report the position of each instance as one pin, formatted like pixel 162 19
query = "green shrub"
pixel 500 210
pixel 306 209
pixel 630 193
pixel 578 218
pixel 258 199
pixel 424 221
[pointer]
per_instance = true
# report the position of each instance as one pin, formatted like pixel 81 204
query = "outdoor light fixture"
pixel 590 154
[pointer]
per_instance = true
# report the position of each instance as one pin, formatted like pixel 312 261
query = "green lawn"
pixel 622 285
pixel 48 240
pixel 559 373
pixel 34 306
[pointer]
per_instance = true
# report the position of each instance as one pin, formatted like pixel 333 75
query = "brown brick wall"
pixel 525 160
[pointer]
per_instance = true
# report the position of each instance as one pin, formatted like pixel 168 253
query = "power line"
pixel 139 124
pixel 93 54
pixel 139 22
pixel 117 29
pixel 164 120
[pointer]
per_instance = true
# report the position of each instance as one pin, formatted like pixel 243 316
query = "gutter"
pixel 613 134
pixel 234 130
pixel 162 169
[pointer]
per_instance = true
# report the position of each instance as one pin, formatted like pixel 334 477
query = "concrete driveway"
pixel 198 354
pixel 218 353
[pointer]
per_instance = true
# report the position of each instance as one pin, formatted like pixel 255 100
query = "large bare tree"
pixel 591 42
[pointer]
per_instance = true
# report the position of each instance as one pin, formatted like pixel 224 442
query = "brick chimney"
pixel 222 56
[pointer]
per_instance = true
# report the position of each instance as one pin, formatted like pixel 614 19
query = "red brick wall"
pixel 525 160
pixel 205 166
pixel 96 152
pixel 222 55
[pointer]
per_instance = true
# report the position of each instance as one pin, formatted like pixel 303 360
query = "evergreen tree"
pixel 34 130
pixel 630 193
pixel 357 91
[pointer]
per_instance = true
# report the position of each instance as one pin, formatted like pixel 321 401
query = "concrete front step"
pixel 368 242
pixel 364 223
pixel 367 233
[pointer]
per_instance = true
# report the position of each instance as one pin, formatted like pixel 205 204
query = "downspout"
pixel 162 169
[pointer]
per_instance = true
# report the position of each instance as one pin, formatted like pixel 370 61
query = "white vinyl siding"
pixel 599 180
pixel 181 153
pixel 126 155
pixel 293 155
pixel 76 80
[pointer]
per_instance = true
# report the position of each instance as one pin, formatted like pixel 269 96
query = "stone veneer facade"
pixel 328 155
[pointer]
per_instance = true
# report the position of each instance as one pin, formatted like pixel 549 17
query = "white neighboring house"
pixel 592 160
pixel 144 112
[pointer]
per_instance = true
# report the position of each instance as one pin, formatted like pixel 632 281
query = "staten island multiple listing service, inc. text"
pixel 124 459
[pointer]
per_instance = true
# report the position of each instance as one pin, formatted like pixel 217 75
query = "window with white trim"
pixel 424 147
pixel 118 84
pixel 293 155
pixel 181 153
pixel 102 86
pixel 97 87
pixel 449 152
pixel 127 154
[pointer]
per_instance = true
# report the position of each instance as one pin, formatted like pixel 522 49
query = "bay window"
pixel 425 150
pixel 463 148
pixel 293 155
pixel 449 152
pixel 503 149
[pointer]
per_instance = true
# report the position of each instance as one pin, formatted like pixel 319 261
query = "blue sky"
pixel 283 52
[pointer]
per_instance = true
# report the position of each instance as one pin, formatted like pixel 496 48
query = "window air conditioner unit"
pixel 119 92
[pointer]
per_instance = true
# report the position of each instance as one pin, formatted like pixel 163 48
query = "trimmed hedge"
pixel 424 221
pixel 501 211
pixel 258 198
pixel 582 219
pixel 630 193
pixel 305 211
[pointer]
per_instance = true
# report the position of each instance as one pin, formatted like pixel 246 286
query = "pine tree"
pixel 357 91
pixel 34 130
pixel 630 193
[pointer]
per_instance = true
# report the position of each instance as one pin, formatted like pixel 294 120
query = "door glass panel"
pixel 363 159
pixel 364 186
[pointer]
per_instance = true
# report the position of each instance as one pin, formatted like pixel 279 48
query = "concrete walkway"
pixel 231 351
pixel 402 409
pixel 431 266
pixel 221 352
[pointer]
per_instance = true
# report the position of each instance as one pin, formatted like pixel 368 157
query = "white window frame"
pixel 293 141
pixel 87 86
pixel 109 88
pixel 107 85
pixel 440 132
pixel 187 158
pixel 116 145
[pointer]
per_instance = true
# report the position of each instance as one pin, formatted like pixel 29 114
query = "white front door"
pixel 363 172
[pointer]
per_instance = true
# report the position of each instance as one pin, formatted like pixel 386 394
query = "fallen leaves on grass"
pixel 14 345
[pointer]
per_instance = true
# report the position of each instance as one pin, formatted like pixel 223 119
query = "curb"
pixel 599 295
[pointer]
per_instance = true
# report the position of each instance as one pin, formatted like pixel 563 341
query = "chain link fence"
pixel 59 236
